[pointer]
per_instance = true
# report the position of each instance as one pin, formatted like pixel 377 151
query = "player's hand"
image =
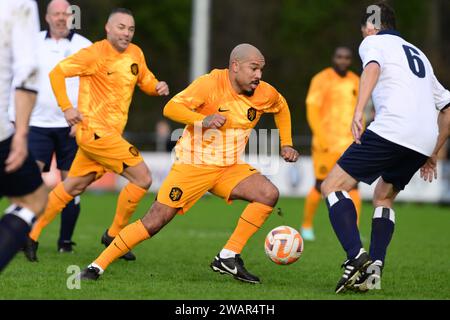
pixel 73 131
pixel 17 154
pixel 73 116
pixel 428 172
pixel 162 88
pixel 357 126
pixel 214 121
pixel 289 154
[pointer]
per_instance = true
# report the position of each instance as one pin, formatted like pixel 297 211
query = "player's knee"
pixel 269 195
pixel 145 181
pixel 381 199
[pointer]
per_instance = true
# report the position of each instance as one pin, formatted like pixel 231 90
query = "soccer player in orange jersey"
pixel 219 109
pixel 109 71
pixel 330 106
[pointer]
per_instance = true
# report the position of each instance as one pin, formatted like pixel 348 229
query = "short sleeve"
pixel 441 95
pixel 370 51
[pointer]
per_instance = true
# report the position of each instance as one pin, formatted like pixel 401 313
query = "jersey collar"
pixel 68 37
pixel 391 32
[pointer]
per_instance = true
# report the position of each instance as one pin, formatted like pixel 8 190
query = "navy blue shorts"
pixel 21 182
pixel 43 142
pixel 377 157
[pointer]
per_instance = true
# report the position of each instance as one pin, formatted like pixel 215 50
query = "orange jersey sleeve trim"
pixel 58 83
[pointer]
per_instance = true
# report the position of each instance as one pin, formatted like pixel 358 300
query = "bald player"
pixel 330 106
pixel 109 71
pixel 219 109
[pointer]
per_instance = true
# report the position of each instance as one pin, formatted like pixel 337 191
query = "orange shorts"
pixel 323 162
pixel 101 154
pixel 187 183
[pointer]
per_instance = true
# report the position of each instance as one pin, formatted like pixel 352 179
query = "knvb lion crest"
pixel 134 69
pixel 251 114
pixel 175 194
pixel 134 151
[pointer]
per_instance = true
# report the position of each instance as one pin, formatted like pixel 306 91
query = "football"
pixel 283 245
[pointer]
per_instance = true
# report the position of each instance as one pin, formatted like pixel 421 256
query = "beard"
pixel 248 93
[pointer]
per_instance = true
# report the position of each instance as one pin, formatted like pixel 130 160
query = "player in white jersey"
pixel 404 137
pixel 49 131
pixel 20 179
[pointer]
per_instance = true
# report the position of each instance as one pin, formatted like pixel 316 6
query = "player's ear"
pixel 235 66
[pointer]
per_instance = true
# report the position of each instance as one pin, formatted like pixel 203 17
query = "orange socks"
pixel 126 205
pixel 250 221
pixel 57 200
pixel 126 240
pixel 311 204
pixel 356 197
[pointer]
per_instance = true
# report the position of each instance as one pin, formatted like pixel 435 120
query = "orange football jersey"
pixel 213 93
pixel 107 82
pixel 330 103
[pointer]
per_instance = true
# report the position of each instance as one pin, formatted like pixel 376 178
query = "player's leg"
pixel 343 217
pixel 183 186
pixel 114 153
pixel 69 218
pixel 129 237
pixel 67 190
pixel 17 222
pixel 323 163
pixel 139 178
pixel 66 149
pixel 383 224
pixel 241 182
pixel 28 197
pixel 309 211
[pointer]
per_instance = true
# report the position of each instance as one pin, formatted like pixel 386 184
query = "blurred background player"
pixel 229 103
pixel 108 71
pixel 411 126
pixel 49 132
pixel 330 106
pixel 20 179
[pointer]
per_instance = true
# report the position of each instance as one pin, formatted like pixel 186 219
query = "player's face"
pixel 120 31
pixel 342 60
pixel 56 18
pixel 249 73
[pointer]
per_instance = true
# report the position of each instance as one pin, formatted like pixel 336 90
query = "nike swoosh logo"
pixel 223 110
pixel 252 169
pixel 110 73
pixel 233 271
pixel 116 245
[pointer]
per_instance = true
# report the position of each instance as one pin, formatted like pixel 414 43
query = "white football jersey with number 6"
pixel 408 96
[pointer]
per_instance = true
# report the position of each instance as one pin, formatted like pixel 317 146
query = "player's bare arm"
pixel 25 101
pixel 369 79
pixel 429 171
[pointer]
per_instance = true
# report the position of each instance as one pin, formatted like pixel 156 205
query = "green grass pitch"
pixel 175 264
